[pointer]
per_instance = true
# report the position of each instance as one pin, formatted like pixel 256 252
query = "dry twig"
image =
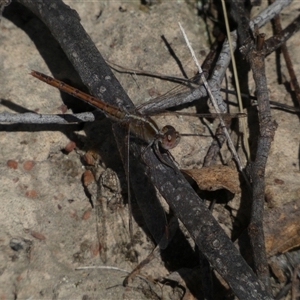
pixel 208 235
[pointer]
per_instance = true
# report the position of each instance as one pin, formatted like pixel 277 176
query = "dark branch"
pixel 266 134
pixel 276 41
pixel 207 233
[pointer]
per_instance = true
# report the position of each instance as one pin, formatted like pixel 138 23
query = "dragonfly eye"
pixel 170 137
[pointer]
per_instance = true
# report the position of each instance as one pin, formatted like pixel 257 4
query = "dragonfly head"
pixel 169 137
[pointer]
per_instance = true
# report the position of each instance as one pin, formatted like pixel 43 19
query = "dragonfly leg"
pixel 154 253
pixel 171 229
pixel 160 157
pixel 172 158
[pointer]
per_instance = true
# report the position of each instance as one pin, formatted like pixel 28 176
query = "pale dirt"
pixel 45 210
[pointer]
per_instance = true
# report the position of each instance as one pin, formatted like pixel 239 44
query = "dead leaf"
pixel 215 178
pixel 282 228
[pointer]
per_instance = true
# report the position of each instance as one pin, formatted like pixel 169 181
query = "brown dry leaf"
pixel 282 228
pixel 215 178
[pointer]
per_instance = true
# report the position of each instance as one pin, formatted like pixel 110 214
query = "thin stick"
pixel 127 170
pixel 111 268
pixel 101 267
pixel 237 83
pixel 230 143
pixel 34 118
pixel 286 55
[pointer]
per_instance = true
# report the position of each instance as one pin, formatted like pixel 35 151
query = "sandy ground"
pixel 48 225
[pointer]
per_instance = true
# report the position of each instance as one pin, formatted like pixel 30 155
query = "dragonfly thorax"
pixel 146 129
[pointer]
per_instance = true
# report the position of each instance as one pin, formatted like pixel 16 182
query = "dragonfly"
pixel 140 124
